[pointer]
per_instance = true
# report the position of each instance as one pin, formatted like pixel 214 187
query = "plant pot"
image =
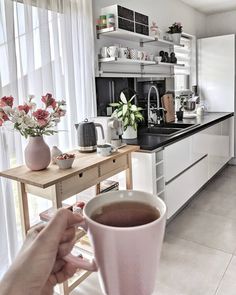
pixel 176 38
pixel 129 133
pixel 37 154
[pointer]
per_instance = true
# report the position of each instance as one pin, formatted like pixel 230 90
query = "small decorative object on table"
pixel 175 31
pixel 129 114
pixel 65 161
pixel 55 151
pixel 33 122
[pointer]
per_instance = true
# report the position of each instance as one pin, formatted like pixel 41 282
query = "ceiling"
pixel 212 6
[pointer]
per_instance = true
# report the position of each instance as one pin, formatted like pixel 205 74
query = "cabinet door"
pixel 180 190
pixel 177 157
pixel 227 132
pixel 144 172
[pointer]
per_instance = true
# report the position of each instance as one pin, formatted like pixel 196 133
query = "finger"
pixel 31 235
pixel 65 248
pixel 33 232
pixel 58 265
pixel 68 235
pixel 65 273
pixel 63 219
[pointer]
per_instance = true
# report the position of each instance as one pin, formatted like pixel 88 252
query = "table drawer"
pixel 79 182
pixel 113 164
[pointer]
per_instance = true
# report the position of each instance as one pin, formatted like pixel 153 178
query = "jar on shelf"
pixel 103 22
pixel 110 20
pixel 154 30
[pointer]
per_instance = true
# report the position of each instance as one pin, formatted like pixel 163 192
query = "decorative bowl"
pixel 65 161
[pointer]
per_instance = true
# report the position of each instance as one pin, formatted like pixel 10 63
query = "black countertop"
pixel 152 142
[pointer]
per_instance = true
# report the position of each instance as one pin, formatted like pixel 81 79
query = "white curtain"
pixel 46 46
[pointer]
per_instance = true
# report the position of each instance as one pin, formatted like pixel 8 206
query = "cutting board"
pixel 168 104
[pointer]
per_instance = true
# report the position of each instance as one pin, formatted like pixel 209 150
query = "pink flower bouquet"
pixel 30 120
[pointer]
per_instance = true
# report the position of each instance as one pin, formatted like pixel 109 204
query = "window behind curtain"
pixel 185 76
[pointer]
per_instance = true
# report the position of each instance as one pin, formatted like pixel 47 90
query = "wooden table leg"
pixel 98 188
pixel 24 209
pixel 129 180
pixel 56 197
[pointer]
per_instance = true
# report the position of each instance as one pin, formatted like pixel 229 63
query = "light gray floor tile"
pixel 223 184
pixel 228 284
pixel 229 171
pixel 215 202
pixel 189 269
pixel 206 229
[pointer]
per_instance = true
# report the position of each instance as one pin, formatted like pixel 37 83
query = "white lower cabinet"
pixel 178 191
pixel 176 173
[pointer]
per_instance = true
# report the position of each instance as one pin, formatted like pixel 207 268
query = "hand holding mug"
pixel 127 244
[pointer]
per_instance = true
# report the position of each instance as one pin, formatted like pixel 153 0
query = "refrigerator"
pixel 216 74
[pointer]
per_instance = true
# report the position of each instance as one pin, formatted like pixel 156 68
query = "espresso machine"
pixel 113 130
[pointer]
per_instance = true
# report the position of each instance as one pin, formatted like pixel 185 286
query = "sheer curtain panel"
pixel 46 46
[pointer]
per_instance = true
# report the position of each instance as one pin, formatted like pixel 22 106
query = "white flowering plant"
pixel 30 120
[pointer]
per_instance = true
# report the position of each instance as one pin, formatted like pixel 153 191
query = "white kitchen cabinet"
pixel 178 191
pixel 179 156
pixel 215 141
pixel 148 172
pixel 176 173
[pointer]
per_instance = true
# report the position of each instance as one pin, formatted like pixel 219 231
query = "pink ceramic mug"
pixel 127 258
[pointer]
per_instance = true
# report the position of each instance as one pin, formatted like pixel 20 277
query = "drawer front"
pixel 113 164
pixel 177 157
pixel 79 182
pixel 180 190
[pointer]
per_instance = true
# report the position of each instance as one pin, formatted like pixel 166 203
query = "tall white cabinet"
pixel 216 72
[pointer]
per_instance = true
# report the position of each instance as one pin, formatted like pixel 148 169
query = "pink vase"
pixel 37 154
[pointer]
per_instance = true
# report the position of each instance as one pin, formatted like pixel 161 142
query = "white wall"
pixel 221 24
pixel 164 12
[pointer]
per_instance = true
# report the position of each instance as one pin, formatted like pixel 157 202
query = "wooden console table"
pixel 57 185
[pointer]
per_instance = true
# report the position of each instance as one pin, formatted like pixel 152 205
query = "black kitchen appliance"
pixel 87 135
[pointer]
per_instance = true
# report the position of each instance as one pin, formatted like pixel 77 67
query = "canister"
pixel 110 20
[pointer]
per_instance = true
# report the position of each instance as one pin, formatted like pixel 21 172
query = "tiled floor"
pixel 199 252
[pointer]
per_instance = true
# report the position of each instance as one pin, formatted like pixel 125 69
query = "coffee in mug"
pixel 125 214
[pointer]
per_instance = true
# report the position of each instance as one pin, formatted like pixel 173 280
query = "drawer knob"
pixel 81 174
pixel 114 160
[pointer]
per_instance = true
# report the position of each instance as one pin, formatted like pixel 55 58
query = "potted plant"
pixel 175 31
pixel 129 114
pixel 33 122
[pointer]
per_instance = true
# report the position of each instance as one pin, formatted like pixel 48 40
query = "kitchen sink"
pixel 168 129
pixel 162 131
pixel 178 125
